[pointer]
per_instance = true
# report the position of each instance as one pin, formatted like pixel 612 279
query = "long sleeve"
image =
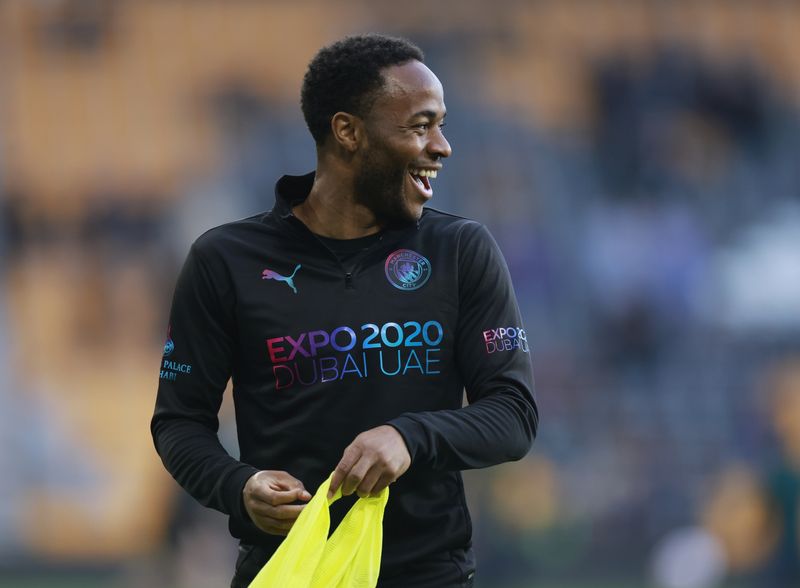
pixel 195 369
pixel 493 359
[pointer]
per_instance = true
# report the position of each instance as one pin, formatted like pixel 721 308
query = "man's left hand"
pixel 374 459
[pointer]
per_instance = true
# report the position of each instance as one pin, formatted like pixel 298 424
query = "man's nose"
pixel 438 145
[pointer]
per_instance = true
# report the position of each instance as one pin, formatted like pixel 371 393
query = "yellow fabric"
pixel 307 558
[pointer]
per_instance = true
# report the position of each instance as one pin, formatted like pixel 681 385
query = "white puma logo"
pixel 269 274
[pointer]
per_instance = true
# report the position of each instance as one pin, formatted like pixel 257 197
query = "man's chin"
pixel 408 213
pixel 393 211
pixel 412 206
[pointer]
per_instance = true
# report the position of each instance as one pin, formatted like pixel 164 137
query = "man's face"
pixel 403 145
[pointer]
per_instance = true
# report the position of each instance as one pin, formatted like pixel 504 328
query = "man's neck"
pixel 330 210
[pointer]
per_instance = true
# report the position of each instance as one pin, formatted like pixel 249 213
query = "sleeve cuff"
pixel 413 433
pixel 232 491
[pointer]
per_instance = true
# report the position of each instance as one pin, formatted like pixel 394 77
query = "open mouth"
pixel 422 180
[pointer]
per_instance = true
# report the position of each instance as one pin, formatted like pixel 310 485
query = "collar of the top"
pixel 291 191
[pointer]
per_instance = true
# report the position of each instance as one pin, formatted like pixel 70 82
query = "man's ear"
pixel 347 130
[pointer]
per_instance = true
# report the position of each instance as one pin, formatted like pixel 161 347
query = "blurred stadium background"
pixel 639 163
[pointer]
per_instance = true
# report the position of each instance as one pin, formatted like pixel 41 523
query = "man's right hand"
pixel 268 497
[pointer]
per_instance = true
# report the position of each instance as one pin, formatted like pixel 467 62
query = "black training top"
pixel 319 353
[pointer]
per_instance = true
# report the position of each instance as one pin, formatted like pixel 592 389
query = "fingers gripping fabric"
pixel 351 558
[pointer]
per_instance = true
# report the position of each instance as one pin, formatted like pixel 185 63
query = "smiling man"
pixel 351 318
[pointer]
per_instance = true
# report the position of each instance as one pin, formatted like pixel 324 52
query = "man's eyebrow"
pixel 427 114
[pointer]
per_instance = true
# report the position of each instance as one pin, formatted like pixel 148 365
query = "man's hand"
pixel 374 459
pixel 267 498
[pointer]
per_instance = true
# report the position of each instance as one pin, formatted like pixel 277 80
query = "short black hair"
pixel 346 76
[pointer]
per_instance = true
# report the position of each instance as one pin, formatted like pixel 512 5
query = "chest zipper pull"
pixel 348 281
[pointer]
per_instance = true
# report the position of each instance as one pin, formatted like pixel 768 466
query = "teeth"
pixel 428 173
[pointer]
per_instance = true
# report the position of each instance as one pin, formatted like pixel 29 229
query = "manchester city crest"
pixel 407 270
pixel 169 346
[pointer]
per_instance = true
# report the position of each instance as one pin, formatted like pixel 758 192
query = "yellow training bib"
pixel 351 558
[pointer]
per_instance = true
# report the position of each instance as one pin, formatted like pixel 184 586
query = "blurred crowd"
pixel 637 162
